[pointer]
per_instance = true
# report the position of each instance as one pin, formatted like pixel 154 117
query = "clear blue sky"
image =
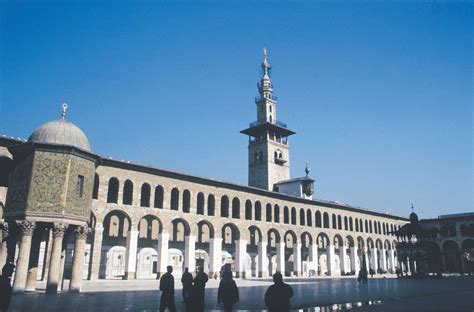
pixel 380 94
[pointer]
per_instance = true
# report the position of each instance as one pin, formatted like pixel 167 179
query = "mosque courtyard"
pixel 322 294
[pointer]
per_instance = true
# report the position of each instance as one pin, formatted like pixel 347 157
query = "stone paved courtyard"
pixel 449 294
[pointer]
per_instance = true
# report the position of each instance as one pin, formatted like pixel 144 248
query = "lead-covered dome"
pixel 61 132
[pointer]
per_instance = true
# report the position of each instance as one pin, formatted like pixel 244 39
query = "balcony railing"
pixel 278 123
pixel 258 98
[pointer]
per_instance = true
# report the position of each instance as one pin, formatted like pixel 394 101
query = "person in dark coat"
pixel 167 291
pixel 228 293
pixel 6 286
pixel 187 281
pixel 199 286
pixel 277 297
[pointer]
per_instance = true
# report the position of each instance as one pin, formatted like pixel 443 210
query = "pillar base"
pixel 263 274
pixel 240 275
pixel 130 275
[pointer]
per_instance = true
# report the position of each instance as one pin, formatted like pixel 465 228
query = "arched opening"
pixel 276 214
pixel 128 193
pixel 159 193
pixel 317 219
pixel 258 211
pixel 326 220
pixel 309 218
pixel 248 210
pixel 339 222
pixel 268 215
pixel 211 205
pixel 293 216
pixel 145 195
pixel 351 228
pixel 149 228
pixel 224 206
pixel 452 256
pixel 302 217
pixel 174 199
pixel 346 224
pixel 286 215
pixel 357 225
pixel 334 221
pixel 200 204
pixel 180 231
pixel 186 201
pixel 95 190
pixel 236 208
pixel 112 191
pixel 230 233
pixel 255 236
pixel 290 239
pixel 205 232
pixel 366 226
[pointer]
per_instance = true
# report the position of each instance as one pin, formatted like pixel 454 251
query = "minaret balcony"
pixel 278 123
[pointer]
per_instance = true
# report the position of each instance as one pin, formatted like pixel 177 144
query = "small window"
pixel 270 108
pixel 80 185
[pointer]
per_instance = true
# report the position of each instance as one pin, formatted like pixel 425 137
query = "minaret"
pixel 269 152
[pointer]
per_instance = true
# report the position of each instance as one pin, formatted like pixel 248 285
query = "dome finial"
pixel 63 111
pixel 306 169
pixel 412 209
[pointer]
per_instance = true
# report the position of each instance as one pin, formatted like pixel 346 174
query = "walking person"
pixel 228 293
pixel 199 286
pixel 6 286
pixel 277 297
pixel 187 281
pixel 167 291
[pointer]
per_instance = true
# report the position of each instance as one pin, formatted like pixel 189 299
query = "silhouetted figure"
pixel 187 281
pixel 277 297
pixel 228 293
pixel 198 290
pixel 6 286
pixel 362 276
pixel 167 291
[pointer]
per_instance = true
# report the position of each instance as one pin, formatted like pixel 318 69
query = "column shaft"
pixel 280 258
pixel 33 263
pixel 354 261
pixel 47 255
pixel 96 253
pixel 3 243
pixel 240 257
pixel 78 258
pixel 297 259
pixel 190 253
pixel 55 261
pixel 313 258
pixel 21 272
pixel 383 259
pixel 262 260
pixel 330 260
pixel 163 240
pixel 131 255
pixel 215 255
pixel 374 262
pixel 342 259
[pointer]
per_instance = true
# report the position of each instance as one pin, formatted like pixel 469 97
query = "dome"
pixel 413 217
pixel 61 132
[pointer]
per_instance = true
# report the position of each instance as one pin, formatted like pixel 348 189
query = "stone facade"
pixel 70 214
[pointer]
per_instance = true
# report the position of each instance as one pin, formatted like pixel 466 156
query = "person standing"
pixel 6 286
pixel 199 286
pixel 187 281
pixel 277 297
pixel 228 293
pixel 167 291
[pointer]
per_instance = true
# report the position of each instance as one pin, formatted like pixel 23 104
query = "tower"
pixel 269 151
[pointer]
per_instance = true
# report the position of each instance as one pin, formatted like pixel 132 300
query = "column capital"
pixel 81 232
pixel 26 227
pixel 59 229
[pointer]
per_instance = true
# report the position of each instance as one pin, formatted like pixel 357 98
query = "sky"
pixel 380 94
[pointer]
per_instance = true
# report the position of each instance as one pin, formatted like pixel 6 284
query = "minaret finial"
pixel 265 64
pixel 306 169
pixel 63 111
